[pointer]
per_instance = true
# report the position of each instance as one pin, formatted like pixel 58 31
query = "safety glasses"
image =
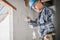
pixel 34 6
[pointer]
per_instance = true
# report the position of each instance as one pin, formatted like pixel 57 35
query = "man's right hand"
pixel 27 19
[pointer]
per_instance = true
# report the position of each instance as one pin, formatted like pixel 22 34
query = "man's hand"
pixel 27 19
pixel 46 37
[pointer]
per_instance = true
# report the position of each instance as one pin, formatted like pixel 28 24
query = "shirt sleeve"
pixel 50 23
pixel 48 26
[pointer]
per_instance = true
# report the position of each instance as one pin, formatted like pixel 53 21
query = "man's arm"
pixel 50 27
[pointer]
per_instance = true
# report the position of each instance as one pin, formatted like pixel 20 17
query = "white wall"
pixel 6 25
pixel 4 29
pixel 20 27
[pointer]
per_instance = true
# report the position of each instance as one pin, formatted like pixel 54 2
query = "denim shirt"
pixel 44 22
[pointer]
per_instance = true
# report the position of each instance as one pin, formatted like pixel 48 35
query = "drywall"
pixel 21 30
pixel 6 22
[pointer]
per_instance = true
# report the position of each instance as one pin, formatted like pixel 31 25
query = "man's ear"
pixel 26 3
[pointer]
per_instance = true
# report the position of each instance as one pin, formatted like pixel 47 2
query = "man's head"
pixel 36 5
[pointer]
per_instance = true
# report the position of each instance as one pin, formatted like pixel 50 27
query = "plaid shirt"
pixel 44 21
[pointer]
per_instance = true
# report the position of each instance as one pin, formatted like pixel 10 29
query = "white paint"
pixel 4 29
pixel 11 23
pixel 6 26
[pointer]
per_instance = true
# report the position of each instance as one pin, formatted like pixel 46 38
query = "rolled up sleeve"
pixel 34 23
pixel 50 23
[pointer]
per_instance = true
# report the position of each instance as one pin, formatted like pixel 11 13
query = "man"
pixel 45 19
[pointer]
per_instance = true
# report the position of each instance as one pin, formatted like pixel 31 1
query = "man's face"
pixel 37 6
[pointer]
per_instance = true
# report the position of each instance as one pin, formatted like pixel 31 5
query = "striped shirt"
pixel 45 21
